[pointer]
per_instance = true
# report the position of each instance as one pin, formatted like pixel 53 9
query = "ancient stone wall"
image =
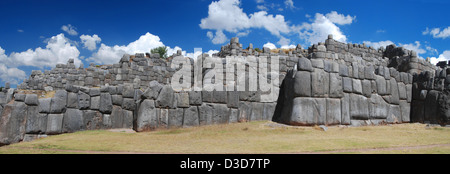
pixel 329 83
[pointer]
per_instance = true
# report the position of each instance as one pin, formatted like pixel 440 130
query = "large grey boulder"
pixel 357 86
pixel 128 91
pixel 205 114
pixel 319 83
pixel 366 88
pixel 308 111
pixel 402 90
pixel 95 103
pixel 13 123
pixel 395 97
pixel 336 89
pixel 394 114
pixel 36 122
pixel 195 97
pixel 93 120
pixel 175 119
pixel 44 105
pixel 94 92
pixel 304 64
pixel 234 114
pixel 345 109
pixel 269 110
pixel 302 84
pixel 58 103
pixel 54 124
pixel 84 100
pixel 117 100
pixel 257 111
pixel 72 100
pixel 347 84
pixel 146 116
pixel 244 111
pixel 378 108
pixel 166 98
pixel 182 99
pixel 106 105
pixel 129 104
pixel 220 114
pixel 381 85
pixel 343 70
pixel 405 109
pixel 31 100
pixel 359 107
pixel 191 117
pixel 19 97
pixel 73 121
pixel 333 116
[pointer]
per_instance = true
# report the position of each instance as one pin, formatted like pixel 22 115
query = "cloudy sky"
pixel 37 35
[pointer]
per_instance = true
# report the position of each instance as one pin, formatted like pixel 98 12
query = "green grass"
pixel 253 137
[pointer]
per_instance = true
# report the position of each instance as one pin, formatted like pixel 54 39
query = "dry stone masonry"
pixel 330 83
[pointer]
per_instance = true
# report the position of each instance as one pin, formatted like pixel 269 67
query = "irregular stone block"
pixel 327 66
pixel 207 96
pixel 191 117
pixel 175 117
pixel 333 116
pixel 31 100
pixel 12 123
pixel 308 111
pixel 195 97
pixel 44 105
pixel 128 104
pixel 345 109
pixel 409 93
pixel 357 86
pixel 234 114
pixel 431 108
pixel 54 124
pixel 84 100
pixel 347 84
pixel 355 69
pixel 394 114
pixel 128 91
pixel 302 84
pixel 378 108
pixel 304 64
pixel 269 111
pixel 343 70
pixel 92 120
pixel 58 103
pixel 369 72
pixel 402 91
pixel 317 63
pixel 72 100
pixel 19 97
pixel 36 122
pixel 320 83
pixel 359 107
pixel 244 111
pixel 381 85
pixel 233 99
pixel 366 88
pixel 93 92
pixel 95 103
pixel 405 109
pixel 395 97
pixel 146 116
pixel 166 98
pixel 220 97
pixel 257 111
pixel 205 114
pixel 220 114
pixel 106 105
pixel 73 121
pixel 117 100
pixel 336 89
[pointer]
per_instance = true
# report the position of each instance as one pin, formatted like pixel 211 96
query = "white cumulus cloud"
pixel 340 19
pixel 58 50
pixel 69 29
pixel 379 44
pixel 270 45
pixel 437 32
pixel 445 56
pixel 90 42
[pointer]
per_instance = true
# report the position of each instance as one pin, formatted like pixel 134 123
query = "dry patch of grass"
pixel 253 137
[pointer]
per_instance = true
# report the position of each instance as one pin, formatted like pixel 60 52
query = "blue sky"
pixel 36 35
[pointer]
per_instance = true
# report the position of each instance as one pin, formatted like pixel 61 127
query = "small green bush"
pixel 162 51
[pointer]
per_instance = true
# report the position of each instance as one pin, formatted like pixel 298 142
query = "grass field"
pixel 254 137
